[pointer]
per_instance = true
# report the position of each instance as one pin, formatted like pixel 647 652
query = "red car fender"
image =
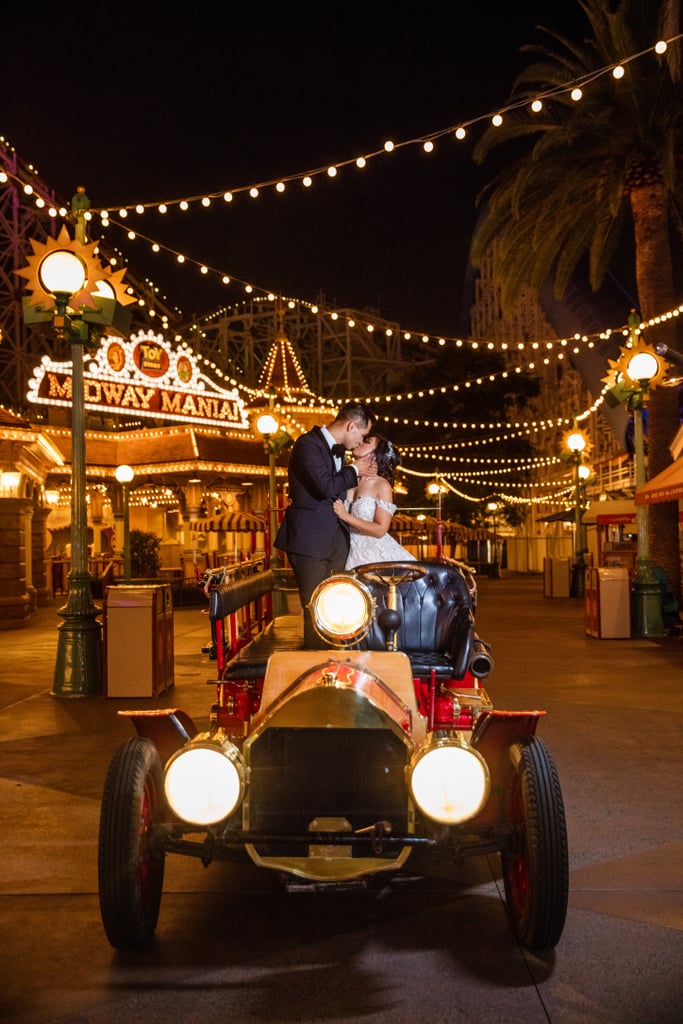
pixel 168 728
pixel 493 736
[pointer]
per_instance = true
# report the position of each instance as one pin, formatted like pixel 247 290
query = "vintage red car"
pixel 375 756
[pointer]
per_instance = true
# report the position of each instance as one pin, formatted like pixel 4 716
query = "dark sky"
pixel 150 109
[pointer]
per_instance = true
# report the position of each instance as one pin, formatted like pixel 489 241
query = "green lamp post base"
pixel 78 668
pixel 647 606
pixel 577 586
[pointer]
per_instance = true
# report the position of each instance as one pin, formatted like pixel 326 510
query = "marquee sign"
pixel 142 376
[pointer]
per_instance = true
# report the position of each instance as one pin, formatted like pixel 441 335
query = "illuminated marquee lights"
pixel 142 376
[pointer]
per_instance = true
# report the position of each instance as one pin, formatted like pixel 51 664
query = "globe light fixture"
pixel 61 272
pixel 267 425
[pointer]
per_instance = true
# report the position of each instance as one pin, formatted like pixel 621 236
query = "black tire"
pixel 536 865
pixel 130 862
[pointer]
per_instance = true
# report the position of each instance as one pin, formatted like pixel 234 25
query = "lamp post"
pixel 78 670
pixel 576 443
pixel 75 293
pixel 647 607
pixel 436 489
pixel 268 427
pixel 493 507
pixel 275 438
pixel 124 475
pixel 631 377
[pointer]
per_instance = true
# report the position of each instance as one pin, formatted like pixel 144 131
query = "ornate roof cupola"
pixel 282 371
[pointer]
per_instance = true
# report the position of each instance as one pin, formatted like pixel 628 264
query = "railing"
pixel 615 474
pixel 240 607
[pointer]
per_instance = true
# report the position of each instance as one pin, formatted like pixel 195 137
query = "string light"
pixel 574 89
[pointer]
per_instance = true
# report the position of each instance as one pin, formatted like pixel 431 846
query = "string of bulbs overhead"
pixel 459 131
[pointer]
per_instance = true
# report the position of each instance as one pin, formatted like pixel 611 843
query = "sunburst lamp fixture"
pixel 638 369
pixel 65 277
pixel 576 444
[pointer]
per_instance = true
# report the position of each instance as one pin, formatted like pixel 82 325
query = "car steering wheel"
pixel 390 574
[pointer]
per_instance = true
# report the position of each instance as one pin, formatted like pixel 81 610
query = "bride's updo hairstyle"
pixel 387 457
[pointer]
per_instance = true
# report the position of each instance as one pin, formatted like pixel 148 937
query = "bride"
pixel 368 508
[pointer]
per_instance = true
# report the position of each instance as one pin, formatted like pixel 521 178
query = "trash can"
pixel 138 640
pixel 557 576
pixel 608 603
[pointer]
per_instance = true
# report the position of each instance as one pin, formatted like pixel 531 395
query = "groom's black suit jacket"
pixel 310 525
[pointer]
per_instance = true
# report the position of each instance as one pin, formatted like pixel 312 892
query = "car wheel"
pixel 130 862
pixel 536 865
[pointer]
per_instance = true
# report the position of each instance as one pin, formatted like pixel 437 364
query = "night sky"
pixel 145 110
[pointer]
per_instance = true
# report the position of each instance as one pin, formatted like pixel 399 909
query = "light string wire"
pixel 557 495
pixel 369 324
pixel 574 88
pixel 458 130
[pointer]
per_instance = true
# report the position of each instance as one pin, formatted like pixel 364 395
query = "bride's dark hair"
pixel 387 457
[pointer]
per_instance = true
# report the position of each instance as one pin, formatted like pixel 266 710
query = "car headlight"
pixel 449 780
pixel 205 781
pixel 342 610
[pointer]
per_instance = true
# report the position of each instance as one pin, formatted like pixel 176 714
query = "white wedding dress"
pixel 364 549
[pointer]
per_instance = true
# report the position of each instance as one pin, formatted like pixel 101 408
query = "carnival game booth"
pixel 615 534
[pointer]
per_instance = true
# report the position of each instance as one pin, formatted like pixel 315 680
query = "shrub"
pixel 145 560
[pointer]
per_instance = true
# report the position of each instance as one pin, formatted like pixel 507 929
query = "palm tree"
pixel 588 178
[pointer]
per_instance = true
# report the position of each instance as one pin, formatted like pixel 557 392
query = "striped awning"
pixel 666 486
pixel 245 522
pixel 240 522
pixel 404 524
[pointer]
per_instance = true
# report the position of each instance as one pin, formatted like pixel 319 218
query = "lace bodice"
pixel 364 549
pixel 364 507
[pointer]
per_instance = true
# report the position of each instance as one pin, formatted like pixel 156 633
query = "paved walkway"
pixel 614 727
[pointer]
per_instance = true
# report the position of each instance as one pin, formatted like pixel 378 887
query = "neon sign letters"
pixel 143 376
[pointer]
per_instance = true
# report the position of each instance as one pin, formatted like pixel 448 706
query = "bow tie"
pixel 338 449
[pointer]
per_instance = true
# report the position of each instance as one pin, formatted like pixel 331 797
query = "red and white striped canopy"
pixel 240 522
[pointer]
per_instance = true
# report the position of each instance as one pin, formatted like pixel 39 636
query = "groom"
pixel 314 538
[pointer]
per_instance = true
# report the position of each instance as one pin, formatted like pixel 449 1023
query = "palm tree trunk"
pixel 656 292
